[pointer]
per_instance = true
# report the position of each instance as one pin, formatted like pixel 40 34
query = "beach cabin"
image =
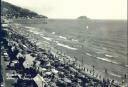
pixel 39 80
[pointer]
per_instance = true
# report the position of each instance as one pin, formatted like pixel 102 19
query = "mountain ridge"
pixel 13 11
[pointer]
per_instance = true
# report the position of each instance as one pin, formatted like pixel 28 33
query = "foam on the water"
pixel 107 60
pixel 30 27
pixel 35 32
pixel 114 75
pixel 66 46
pixel 47 38
pixel 74 40
pixel 63 37
pixel 88 54
pixel 41 34
pixel 107 55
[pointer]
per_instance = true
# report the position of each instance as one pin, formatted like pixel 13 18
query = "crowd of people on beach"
pixel 27 60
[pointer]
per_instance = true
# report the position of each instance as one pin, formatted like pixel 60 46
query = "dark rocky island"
pixel 83 18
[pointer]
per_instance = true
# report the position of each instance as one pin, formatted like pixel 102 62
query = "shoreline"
pixel 111 74
pixel 89 69
pixel 31 36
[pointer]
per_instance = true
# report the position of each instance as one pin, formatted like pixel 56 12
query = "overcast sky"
pixel 97 9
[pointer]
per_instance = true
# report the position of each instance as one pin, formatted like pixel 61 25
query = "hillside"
pixel 12 11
